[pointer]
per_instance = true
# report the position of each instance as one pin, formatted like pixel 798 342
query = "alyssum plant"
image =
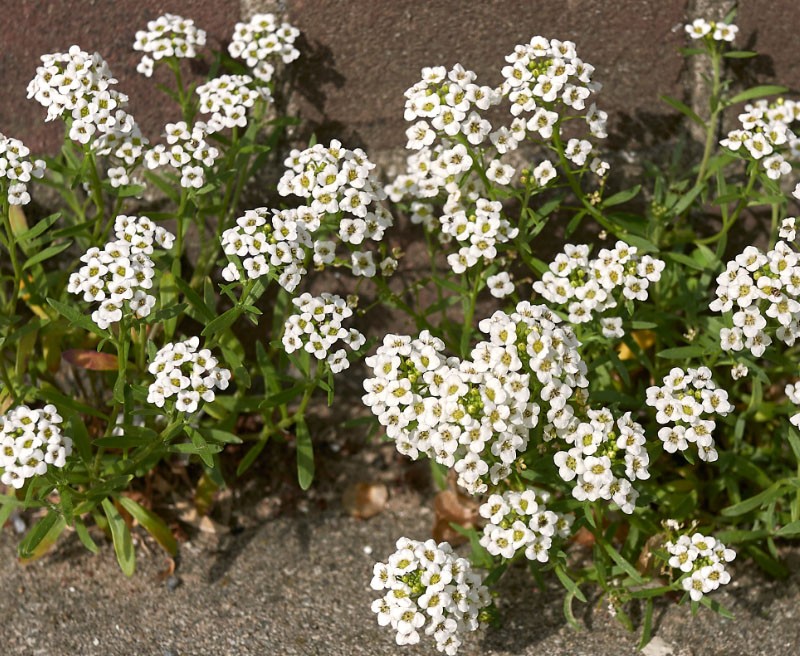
pixel 638 392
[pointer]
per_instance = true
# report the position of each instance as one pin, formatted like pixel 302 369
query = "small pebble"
pixel 172 583
pixel 368 550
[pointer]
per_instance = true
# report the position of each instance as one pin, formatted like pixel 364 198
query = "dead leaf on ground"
pixel 92 360
pixel 365 500
pixel 452 507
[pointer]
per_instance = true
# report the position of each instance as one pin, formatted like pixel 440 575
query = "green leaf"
pixel 283 397
pixel 621 197
pixel 202 447
pixel 76 317
pixel 46 254
pixel 121 536
pixel 690 262
pixel 758 92
pixel 683 352
pixel 790 530
pixel 220 436
pixel 38 229
pixel 52 522
pixel 620 560
pixel 250 456
pixel 305 455
pixel 683 109
pixel 569 584
pixel 717 607
pixel 740 54
pixel 222 322
pixel 84 537
pixel 152 523
pixel 759 500
pixel 195 300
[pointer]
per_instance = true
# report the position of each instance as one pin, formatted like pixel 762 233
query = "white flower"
pixel 500 285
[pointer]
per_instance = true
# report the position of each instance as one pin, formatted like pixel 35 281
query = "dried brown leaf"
pixel 92 360
pixel 365 500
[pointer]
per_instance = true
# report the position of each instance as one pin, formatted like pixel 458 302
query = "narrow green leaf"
pixel 683 109
pixel 790 530
pixel 759 500
pixel 195 300
pixel 740 54
pixel 152 523
pixel 76 317
pixel 52 522
pixel 46 254
pixel 305 454
pixel 682 353
pixel 758 92
pixel 38 229
pixel 222 322
pixel 84 537
pixel 250 457
pixel 621 197
pixel 121 536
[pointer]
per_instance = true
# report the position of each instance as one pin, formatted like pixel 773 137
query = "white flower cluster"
pixel 766 135
pixel 30 440
pixel 478 232
pixel 703 558
pixel 191 376
pixel 546 77
pixel 429 583
pixel 167 36
pixel 227 98
pixel 186 150
pixel 520 520
pixel 590 287
pixel 448 103
pixel 683 404
pixel 476 415
pixel 79 86
pixel 119 275
pixel 264 242
pixel 343 194
pixel 317 328
pixel 18 169
pixel 263 39
pixel 604 460
pixel 700 28
pixel 762 291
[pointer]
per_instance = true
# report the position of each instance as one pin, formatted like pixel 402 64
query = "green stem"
pixel 573 182
pixel 713 121
pixel 727 225
pixel 469 312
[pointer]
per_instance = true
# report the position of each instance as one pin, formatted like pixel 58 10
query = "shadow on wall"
pixel 309 77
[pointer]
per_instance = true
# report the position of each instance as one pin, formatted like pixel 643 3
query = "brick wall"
pixel 358 56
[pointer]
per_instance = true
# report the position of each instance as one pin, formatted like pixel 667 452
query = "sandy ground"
pixel 298 585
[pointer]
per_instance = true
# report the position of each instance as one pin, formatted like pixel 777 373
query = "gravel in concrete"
pixel 298 585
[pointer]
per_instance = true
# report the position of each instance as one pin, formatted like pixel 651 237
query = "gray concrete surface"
pixel 298 586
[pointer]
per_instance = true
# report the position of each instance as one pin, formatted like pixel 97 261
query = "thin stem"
pixel 713 122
